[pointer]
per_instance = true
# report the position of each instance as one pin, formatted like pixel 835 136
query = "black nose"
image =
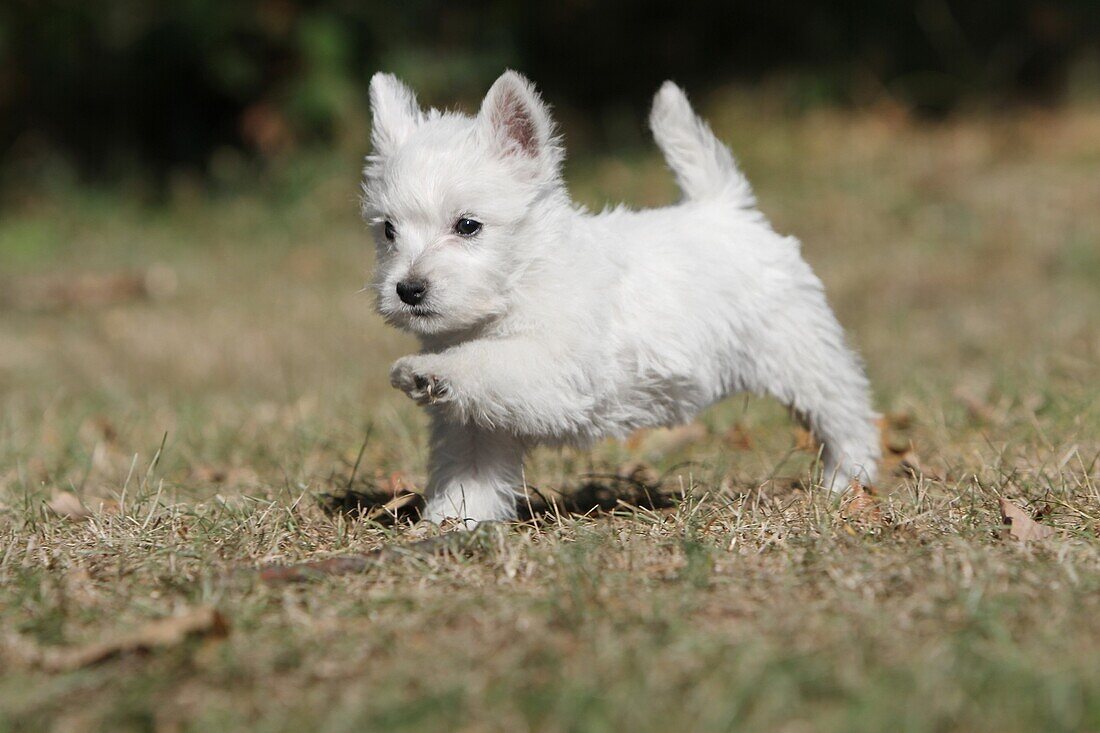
pixel 412 291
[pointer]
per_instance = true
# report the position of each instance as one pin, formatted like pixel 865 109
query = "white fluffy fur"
pixel 554 325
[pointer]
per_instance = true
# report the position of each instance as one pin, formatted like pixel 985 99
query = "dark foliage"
pixel 119 86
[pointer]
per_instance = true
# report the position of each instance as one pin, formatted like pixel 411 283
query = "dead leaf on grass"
pixel 861 506
pixel 204 621
pixel 1020 526
pixel 68 505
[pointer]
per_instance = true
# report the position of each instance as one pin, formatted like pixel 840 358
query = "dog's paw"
pixel 413 376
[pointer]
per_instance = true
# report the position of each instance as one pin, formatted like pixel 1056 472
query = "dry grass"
pixel 964 259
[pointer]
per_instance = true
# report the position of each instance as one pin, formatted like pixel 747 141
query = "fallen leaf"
pixel 1020 526
pixel 861 506
pixel 203 621
pixel 68 505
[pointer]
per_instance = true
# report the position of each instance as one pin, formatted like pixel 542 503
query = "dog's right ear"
pixel 517 123
pixel 394 113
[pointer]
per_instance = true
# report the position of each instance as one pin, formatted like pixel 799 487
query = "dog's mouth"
pixel 417 318
pixel 419 311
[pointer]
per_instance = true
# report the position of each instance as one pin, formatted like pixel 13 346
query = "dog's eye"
pixel 389 231
pixel 467 227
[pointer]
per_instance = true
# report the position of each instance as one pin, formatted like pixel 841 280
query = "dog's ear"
pixel 394 113
pixel 517 121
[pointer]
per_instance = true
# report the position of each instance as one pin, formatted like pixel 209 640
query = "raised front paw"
pixel 414 376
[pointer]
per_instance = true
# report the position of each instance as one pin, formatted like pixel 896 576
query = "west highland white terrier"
pixel 541 323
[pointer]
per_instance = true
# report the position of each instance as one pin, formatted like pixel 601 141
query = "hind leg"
pixel 822 381
pixel 849 440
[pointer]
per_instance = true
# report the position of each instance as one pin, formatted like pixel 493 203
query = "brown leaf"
pixel 1020 526
pixel 861 506
pixel 202 621
pixel 68 505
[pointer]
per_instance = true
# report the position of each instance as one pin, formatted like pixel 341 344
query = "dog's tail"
pixel 703 166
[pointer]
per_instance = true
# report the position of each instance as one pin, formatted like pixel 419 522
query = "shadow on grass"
pixel 598 494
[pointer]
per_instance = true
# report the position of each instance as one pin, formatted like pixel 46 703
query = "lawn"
pixel 242 417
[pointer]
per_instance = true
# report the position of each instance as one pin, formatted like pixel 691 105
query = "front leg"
pixel 516 385
pixel 473 475
pixel 419 377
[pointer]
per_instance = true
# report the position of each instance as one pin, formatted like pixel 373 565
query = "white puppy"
pixel 543 323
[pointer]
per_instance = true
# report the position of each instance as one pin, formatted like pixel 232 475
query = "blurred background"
pixel 127 90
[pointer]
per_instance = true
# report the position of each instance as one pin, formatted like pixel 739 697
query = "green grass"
pixel 963 260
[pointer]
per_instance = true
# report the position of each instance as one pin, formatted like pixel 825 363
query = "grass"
pixel 964 259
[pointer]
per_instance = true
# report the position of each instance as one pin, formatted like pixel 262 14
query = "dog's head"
pixel 450 200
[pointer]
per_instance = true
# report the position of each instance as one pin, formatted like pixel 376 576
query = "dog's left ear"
pixel 518 123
